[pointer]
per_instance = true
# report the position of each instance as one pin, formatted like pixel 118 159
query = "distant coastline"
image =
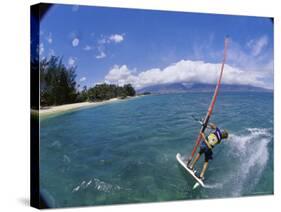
pixel 199 87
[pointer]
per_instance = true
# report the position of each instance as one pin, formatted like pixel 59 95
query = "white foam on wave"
pixel 66 159
pixel 96 184
pixel 215 185
pixel 105 187
pixel 250 150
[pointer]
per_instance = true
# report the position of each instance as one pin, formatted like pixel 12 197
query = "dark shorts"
pixel 208 153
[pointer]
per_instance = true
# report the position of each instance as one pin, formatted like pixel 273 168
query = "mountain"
pixel 199 87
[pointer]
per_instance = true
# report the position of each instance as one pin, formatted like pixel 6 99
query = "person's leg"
pixel 205 166
pixel 192 164
pixel 208 156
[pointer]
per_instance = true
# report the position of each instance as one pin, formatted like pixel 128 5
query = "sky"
pixel 149 47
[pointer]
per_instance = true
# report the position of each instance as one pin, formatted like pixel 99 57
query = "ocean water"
pixel 125 152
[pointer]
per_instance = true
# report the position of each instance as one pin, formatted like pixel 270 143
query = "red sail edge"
pixel 212 104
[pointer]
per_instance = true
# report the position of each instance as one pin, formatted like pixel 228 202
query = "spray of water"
pixel 249 154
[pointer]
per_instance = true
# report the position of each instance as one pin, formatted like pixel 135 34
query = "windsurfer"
pixel 207 144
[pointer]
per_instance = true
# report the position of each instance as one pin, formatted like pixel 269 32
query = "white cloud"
pixel 87 48
pixel 72 61
pixel 200 48
pixel 51 52
pixel 50 38
pixel 82 79
pixel 102 41
pixel 116 38
pixel 101 55
pixel 75 42
pixel 184 71
pixel 118 73
pixel 257 45
pixel 101 52
pixel 41 48
pixel 250 56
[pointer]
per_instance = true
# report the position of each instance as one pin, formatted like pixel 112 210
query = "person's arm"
pixel 213 126
pixel 206 141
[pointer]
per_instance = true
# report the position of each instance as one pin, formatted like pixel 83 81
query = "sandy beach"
pixel 51 110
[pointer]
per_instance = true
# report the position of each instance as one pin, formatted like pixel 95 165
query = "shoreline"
pixel 55 110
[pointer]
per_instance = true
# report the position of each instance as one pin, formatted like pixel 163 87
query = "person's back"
pixel 215 137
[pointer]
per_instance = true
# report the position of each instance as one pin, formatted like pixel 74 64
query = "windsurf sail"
pixel 212 104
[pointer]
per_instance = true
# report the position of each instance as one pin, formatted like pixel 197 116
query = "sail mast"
pixel 212 104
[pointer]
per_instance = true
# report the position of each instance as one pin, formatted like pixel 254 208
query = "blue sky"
pixel 146 47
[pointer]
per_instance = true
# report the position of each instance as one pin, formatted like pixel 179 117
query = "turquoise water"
pixel 125 152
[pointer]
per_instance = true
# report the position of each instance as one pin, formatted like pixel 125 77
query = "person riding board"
pixel 207 144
